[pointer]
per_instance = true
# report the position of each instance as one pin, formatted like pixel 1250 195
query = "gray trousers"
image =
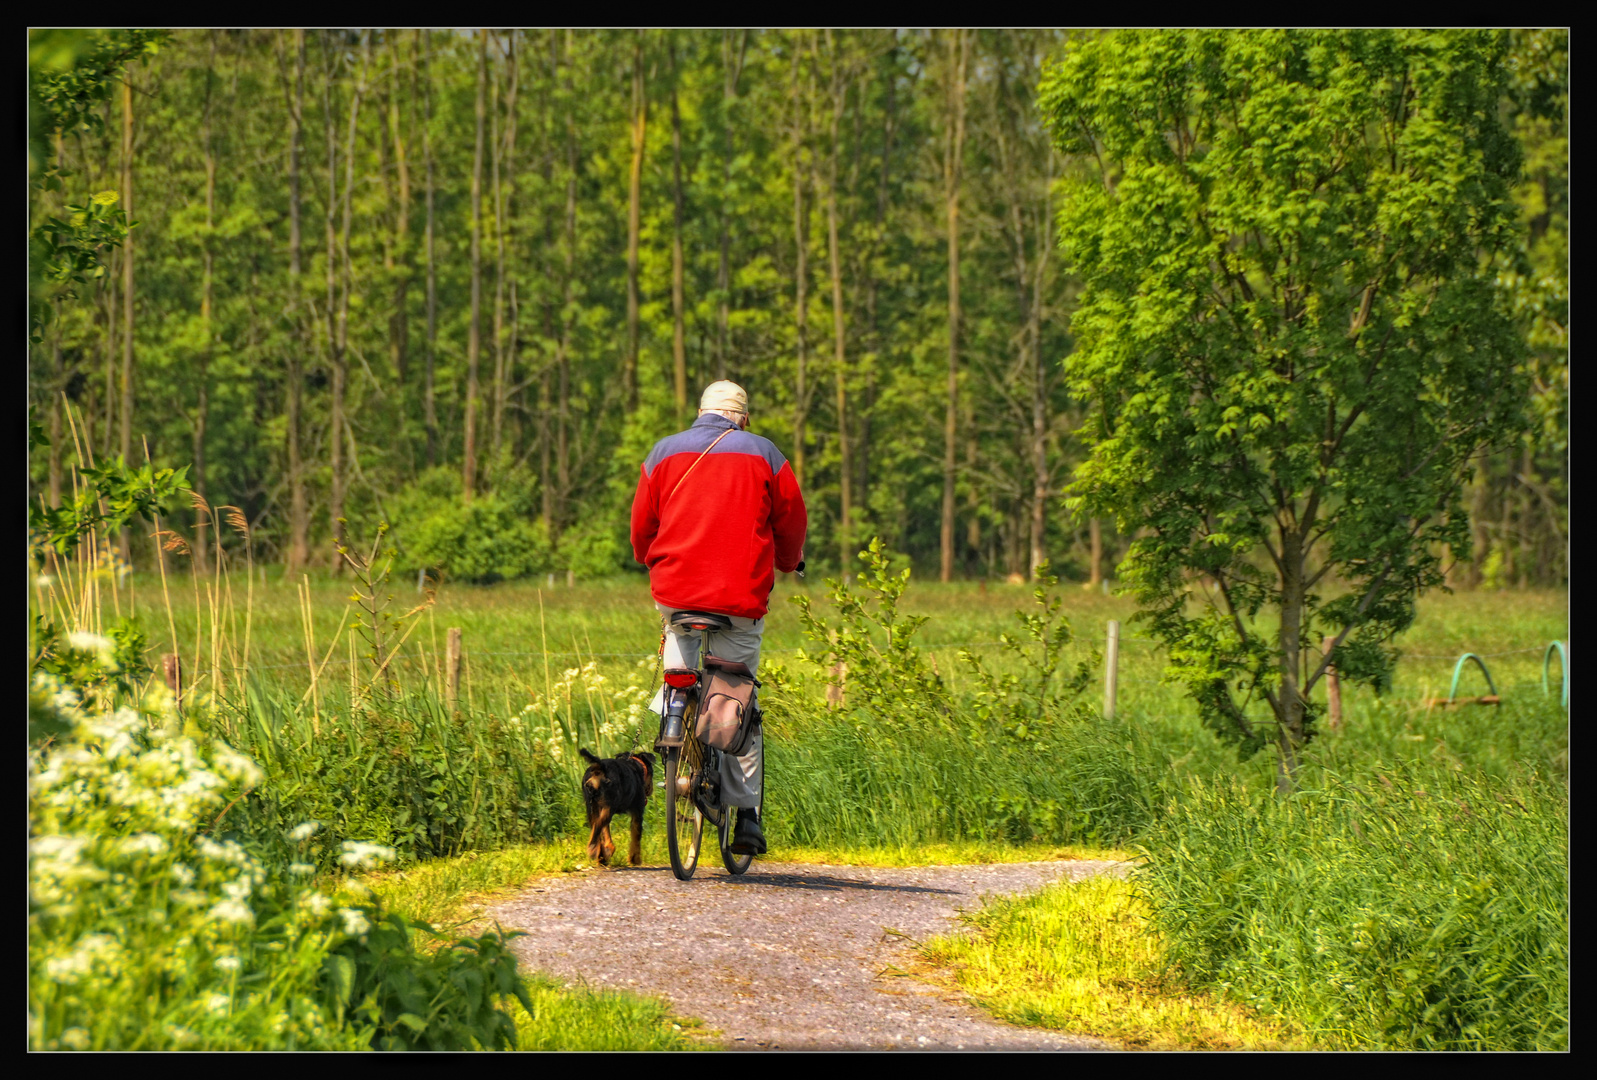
pixel 743 776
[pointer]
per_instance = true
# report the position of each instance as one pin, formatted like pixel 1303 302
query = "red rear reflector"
pixel 681 679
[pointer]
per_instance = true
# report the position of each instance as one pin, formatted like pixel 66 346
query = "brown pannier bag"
pixel 727 717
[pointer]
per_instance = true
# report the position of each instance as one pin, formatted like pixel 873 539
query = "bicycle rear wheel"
pixel 684 822
pixel 734 863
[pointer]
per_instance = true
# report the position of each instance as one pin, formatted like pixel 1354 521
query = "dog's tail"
pixel 591 760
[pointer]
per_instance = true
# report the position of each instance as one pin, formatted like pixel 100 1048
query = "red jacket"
pixel 711 545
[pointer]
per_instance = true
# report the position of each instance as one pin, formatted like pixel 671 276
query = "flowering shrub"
pixel 145 931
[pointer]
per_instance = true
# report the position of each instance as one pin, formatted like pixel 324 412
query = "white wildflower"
pixel 364 856
pixel 75 1039
pixel 227 851
pixel 227 963
pixel 238 888
pixel 354 921
pixel 44 581
pixel 182 873
pixel 301 869
pixel 218 1003
pixel 304 831
pixel 93 950
pixel 143 844
pixel 235 766
pixel 316 903
pixel 80 639
pixel 232 911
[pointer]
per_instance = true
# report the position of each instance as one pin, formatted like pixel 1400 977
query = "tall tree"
pixel 473 338
pixel 126 382
pixel 429 401
pixel 299 511
pixel 640 119
pixel 679 354
pixel 839 87
pixel 801 391
pixel 1284 351
pixel 953 163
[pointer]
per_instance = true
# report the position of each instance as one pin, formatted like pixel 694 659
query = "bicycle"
pixel 692 770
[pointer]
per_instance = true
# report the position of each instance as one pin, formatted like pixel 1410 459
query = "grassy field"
pixel 478 799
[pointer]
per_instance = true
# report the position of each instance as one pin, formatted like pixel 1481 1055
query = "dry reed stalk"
pixel 438 675
pixel 237 520
pixel 66 576
pixel 161 559
pixel 548 691
pixel 309 631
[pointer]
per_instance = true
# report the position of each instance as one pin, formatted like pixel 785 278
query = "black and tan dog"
pixel 618 785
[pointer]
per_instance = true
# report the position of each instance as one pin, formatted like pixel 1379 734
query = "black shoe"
pixel 747 837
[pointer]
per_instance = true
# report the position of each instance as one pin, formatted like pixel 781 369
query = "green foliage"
pixel 446 999
pixel 1291 333
pixel 905 760
pixel 483 541
pixel 146 931
pixel 1411 907
pixel 110 497
pixel 888 673
pixel 69 73
pixel 1020 700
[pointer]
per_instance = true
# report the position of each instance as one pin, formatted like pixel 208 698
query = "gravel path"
pixel 787 957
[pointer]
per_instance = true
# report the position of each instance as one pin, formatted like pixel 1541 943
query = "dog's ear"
pixel 587 756
pixel 646 756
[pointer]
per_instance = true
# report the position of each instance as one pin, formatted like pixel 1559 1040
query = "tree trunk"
pixel 473 337
pixel 1289 699
pixel 340 429
pixel 399 323
pixel 957 50
pixel 679 355
pixel 640 114
pixel 429 400
pixel 1095 572
pixel 563 359
pixel 800 276
pixel 298 512
pixel 203 398
pixel 731 70
pixel 126 440
pixel 504 366
pixel 839 357
pixel 335 450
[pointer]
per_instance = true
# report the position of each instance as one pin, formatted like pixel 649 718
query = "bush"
pixel 1426 908
pixel 906 761
pixel 483 542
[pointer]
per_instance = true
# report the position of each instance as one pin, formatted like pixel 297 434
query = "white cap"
pixel 724 396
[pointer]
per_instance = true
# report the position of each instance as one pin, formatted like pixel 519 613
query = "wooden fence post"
pixel 172 673
pixel 1111 670
pixel 452 668
pixel 1333 692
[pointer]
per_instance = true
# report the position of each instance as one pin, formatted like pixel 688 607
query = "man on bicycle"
pixel 716 510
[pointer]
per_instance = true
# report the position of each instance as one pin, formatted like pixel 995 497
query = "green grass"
pixel 846 788
pixel 1413 905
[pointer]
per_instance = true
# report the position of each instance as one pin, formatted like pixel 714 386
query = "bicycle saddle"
pixel 700 620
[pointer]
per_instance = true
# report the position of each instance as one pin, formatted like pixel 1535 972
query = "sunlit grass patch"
pixel 1081 957
pixel 952 853
pixel 580 1018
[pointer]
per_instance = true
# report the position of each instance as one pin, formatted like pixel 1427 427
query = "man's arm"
pixel 645 518
pixel 789 520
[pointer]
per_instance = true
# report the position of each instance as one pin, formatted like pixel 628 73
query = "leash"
pixel 654 684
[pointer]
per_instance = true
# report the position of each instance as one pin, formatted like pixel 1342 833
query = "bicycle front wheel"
pixel 684 822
